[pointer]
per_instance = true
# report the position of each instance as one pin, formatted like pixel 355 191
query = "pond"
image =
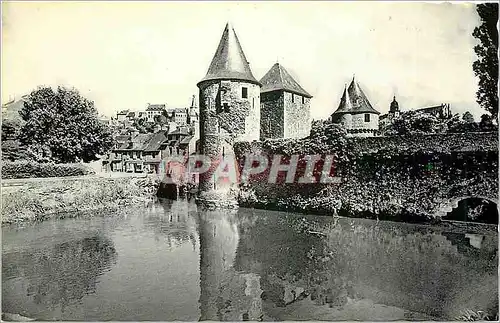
pixel 171 261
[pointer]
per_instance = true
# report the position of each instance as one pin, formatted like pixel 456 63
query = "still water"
pixel 170 261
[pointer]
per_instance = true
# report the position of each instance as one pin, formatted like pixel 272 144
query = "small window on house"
pixel 367 117
pixel 244 92
pixel 293 98
pixel 226 107
pixel 303 99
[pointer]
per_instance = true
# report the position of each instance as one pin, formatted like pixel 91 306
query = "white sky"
pixel 124 55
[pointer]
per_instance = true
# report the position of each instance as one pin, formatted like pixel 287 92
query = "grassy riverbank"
pixel 37 201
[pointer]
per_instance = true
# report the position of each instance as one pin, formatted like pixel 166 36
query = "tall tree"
pixel 64 125
pixel 468 117
pixel 486 67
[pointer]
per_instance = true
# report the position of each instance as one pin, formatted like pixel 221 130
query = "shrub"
pixel 29 169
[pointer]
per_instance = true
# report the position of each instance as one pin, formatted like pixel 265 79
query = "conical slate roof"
pixel 229 61
pixel 278 78
pixel 345 105
pixel 354 101
pixel 360 103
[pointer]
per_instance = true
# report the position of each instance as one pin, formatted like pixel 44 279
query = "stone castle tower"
pixel 229 103
pixel 356 113
pixel 285 106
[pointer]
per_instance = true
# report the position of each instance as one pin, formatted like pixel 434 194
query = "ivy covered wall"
pixel 408 178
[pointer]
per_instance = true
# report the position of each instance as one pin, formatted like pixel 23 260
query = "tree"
pixel 63 126
pixel 160 120
pixel 486 67
pixel 486 123
pixel 468 117
pixel 465 124
pixel 411 122
pixel 140 125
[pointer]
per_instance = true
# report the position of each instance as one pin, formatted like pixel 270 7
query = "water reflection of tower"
pixel 218 242
pixel 225 293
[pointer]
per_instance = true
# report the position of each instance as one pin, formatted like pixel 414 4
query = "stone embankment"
pixel 40 200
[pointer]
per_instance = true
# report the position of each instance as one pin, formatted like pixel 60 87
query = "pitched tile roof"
pixel 156 140
pixel 229 61
pixel 155 107
pixel 180 131
pixel 138 142
pixel 186 140
pixel 183 110
pixel 431 109
pixel 278 78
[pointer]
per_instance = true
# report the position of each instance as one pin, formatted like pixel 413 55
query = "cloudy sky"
pixel 125 55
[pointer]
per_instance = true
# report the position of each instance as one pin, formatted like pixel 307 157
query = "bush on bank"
pixel 31 169
pixel 40 201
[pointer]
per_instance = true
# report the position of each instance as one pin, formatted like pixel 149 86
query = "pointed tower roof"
pixel 278 78
pixel 345 105
pixel 229 61
pixel 360 103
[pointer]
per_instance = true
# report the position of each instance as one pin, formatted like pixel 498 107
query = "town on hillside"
pixel 274 107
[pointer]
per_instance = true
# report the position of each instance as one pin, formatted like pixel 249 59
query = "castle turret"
pixel 285 106
pixel 356 113
pixel 343 113
pixel 229 103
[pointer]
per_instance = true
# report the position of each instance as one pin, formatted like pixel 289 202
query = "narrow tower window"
pixel 293 98
pixel 367 117
pixel 303 99
pixel 244 92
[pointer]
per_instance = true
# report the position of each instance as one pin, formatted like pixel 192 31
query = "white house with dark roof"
pixel 153 110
